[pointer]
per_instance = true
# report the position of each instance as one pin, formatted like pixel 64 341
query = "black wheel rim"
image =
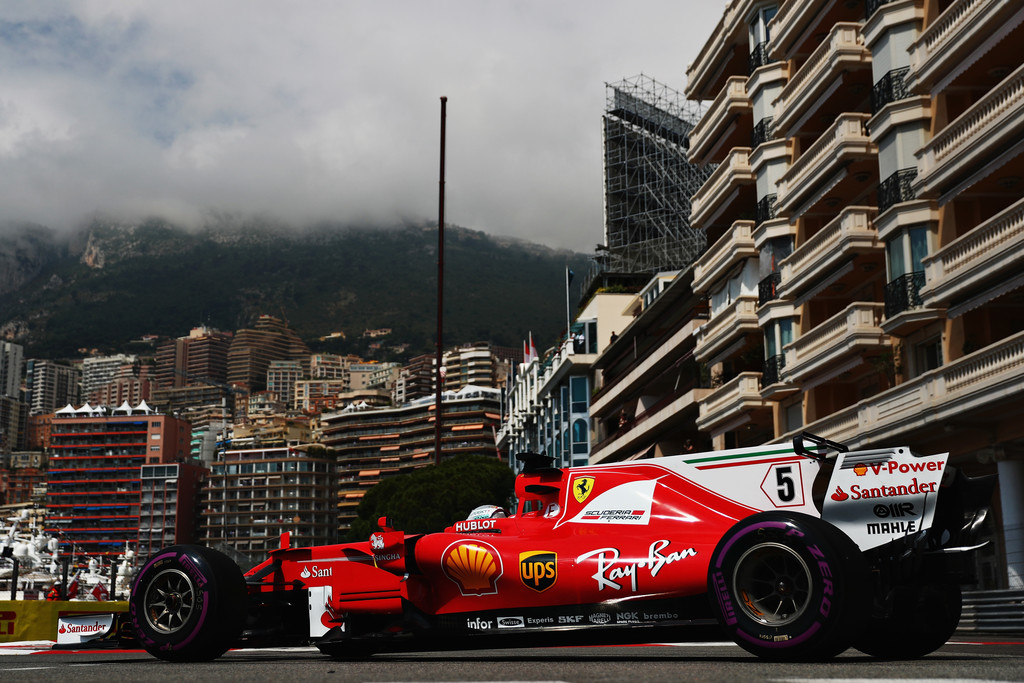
pixel 773 584
pixel 169 601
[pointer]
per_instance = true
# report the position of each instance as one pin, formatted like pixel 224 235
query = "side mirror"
pixel 386 524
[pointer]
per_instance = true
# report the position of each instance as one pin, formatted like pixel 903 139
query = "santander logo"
pixel 315 572
pixel 840 494
pixel 82 628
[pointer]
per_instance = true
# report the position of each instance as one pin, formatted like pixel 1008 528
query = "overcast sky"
pixel 321 109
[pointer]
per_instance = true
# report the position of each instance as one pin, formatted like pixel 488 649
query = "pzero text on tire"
pixel 788 586
pixel 188 604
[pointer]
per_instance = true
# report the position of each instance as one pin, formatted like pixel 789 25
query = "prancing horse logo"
pixel 581 488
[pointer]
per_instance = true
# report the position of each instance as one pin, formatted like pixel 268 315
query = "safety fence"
pixel 993 611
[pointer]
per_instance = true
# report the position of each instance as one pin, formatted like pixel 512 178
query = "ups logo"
pixel 538 569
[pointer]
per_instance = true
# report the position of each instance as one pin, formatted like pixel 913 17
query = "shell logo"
pixel 474 566
pixel 860 469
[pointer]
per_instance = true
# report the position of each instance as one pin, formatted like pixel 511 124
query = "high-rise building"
pixel 93 480
pixel 252 350
pixel 12 357
pixel 168 505
pixel 375 443
pixel 416 379
pixel 255 493
pixel 201 357
pixel 865 275
pixel 281 378
pixel 99 371
pixel 50 385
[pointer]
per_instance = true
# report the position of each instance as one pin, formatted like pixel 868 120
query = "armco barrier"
pixel 37 619
pixel 995 611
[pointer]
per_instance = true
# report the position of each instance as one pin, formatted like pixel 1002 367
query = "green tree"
pixel 430 499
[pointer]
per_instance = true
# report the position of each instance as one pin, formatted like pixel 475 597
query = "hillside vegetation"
pixel 110 284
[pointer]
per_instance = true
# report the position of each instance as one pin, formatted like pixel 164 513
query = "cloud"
pixel 325 109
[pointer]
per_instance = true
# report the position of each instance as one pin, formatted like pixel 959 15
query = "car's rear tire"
pixel 188 604
pixel 789 587
pixel 921 620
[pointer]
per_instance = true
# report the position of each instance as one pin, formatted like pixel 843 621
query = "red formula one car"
pixel 798 551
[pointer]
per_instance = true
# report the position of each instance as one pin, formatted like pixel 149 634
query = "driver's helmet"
pixel 486 512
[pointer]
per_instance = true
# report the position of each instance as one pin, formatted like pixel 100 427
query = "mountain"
pixel 108 284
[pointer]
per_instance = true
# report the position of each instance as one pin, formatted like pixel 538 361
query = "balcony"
pixel 657 362
pixel 820 260
pixel 736 245
pixel 733 404
pixel 799 25
pixel 729 325
pixel 892 87
pixel 722 190
pixel 956 39
pixel 768 288
pixel 905 310
pixel 671 414
pixel 836 345
pixel 724 125
pixel 896 189
pixel 977 266
pixel 827 75
pixel 724 53
pixel 975 389
pixel 826 163
pixel 980 139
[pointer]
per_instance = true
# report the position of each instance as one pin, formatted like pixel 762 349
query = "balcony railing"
pixel 765 209
pixel 772 372
pixel 762 132
pixel 985 255
pixel 843 142
pixel 986 378
pixel 897 188
pixel 891 87
pixel 767 289
pixel 758 57
pixel 871 6
pixel 903 293
pixel 989 127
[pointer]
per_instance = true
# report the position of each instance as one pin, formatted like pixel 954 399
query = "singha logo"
pixel 377 542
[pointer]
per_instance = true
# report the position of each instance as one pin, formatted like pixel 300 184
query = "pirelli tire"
pixel 188 604
pixel 789 587
pixel 920 620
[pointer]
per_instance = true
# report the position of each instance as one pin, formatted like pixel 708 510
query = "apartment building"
pixel 548 407
pixel 168 505
pixel 93 477
pixel 648 384
pixel 372 444
pixel 50 385
pixel 866 223
pixel 255 493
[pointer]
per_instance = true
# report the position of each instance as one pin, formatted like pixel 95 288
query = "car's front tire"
pixel 788 587
pixel 188 604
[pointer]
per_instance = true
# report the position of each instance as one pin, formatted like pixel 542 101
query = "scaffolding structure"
pixel 648 180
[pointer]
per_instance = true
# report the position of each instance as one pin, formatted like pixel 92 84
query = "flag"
pixel 100 592
pixel 73 586
pixel 568 276
pixel 526 352
pixel 533 350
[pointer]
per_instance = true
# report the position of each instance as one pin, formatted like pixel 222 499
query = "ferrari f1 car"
pixel 798 551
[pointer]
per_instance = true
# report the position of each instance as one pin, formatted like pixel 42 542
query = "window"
pixel 906 250
pixel 579 436
pixel 579 390
pixel 927 356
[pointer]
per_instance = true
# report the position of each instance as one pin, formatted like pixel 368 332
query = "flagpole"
pixel 438 378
